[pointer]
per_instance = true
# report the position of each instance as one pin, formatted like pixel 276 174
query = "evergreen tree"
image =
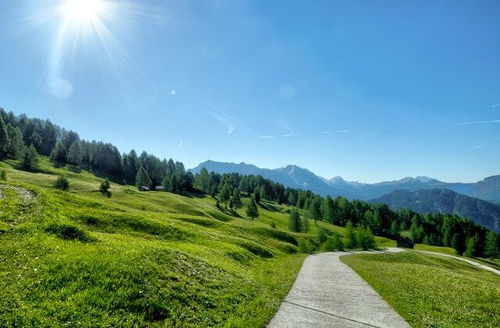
pixel 29 159
pixel 142 179
pixel 471 247
pixel 338 244
pixel 256 195
pixel 492 244
pixel 225 194
pixel 351 238
pixel 305 224
pixel 16 144
pixel 75 154
pixel 294 222
pixel 252 210
pixel 365 238
pixel 322 235
pixel 4 139
pixel 202 181
pixel 394 229
pixel 58 154
pixel 314 209
pixel 236 198
pixel 328 209
pixel 262 193
pixel 457 242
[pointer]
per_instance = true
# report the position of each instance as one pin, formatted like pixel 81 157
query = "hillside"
pixel 444 201
pixel 138 258
pixel 297 177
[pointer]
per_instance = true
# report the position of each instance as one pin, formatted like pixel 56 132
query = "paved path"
pixel 474 263
pixel 328 293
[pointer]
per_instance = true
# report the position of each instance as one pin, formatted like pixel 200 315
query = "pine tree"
pixel 351 238
pixel 457 243
pixel 75 154
pixel 471 247
pixel 142 179
pixel 236 198
pixel 294 222
pixel 314 209
pixel 29 159
pixel 58 154
pixel 4 139
pixel 491 248
pixel 16 144
pixel 252 210
pixel 202 181
pixel 256 195
pixel 365 238
pixel 225 194
pixel 262 193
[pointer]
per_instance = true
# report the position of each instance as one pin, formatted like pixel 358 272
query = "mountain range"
pixel 297 177
pixel 444 201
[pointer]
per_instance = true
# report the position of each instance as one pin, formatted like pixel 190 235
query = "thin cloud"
pixel 478 122
pixel 289 135
pixel 342 131
pixel 181 143
pixel 495 105
pixel 266 137
pixel 223 119
pixel 326 132
pixel 485 144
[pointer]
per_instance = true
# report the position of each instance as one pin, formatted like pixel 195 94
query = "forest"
pixel 26 138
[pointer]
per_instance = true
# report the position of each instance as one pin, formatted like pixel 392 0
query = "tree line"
pixel 24 138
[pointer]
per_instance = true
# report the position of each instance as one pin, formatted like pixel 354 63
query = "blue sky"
pixel 368 90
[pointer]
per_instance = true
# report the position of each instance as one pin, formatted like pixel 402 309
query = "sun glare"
pixel 81 11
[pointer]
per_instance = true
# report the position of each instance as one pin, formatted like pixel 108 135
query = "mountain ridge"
pixel 294 176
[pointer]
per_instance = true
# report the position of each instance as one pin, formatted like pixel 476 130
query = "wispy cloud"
pixel 266 137
pixel 495 105
pixel 478 122
pixel 342 131
pixel 289 135
pixel 326 132
pixel 223 118
pixel 485 144
pixel 181 143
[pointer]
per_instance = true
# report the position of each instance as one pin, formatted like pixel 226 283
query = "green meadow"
pixel 432 290
pixel 79 258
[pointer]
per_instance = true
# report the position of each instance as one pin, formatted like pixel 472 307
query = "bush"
pixel 305 246
pixel 68 232
pixel 104 188
pixel 273 224
pixel 365 238
pixel 61 183
pixel 3 175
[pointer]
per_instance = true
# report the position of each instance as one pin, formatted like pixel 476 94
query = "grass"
pixel 78 258
pixel 494 263
pixel 432 291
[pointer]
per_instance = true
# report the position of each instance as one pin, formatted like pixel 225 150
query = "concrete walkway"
pixel 474 263
pixel 328 293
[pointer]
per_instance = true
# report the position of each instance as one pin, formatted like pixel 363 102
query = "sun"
pixel 82 11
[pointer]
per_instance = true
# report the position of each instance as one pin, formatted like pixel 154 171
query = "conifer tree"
pixel 314 209
pixel 225 194
pixel 75 154
pixel 29 159
pixel 294 223
pixel 471 247
pixel 492 244
pixel 104 188
pixel 236 198
pixel 16 144
pixel 142 179
pixel 351 238
pixel 252 210
pixel 4 139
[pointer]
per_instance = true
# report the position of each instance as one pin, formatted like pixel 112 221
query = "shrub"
pixel 68 232
pixel 104 188
pixel 61 183
pixel 3 175
pixel 273 224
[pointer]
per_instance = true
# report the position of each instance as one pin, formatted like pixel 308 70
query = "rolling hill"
pixel 444 201
pixel 144 259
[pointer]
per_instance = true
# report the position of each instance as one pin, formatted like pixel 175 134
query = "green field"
pixel 78 258
pixel 432 291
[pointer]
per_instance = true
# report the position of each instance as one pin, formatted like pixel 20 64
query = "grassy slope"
pixel 432 291
pixel 494 263
pixel 79 258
